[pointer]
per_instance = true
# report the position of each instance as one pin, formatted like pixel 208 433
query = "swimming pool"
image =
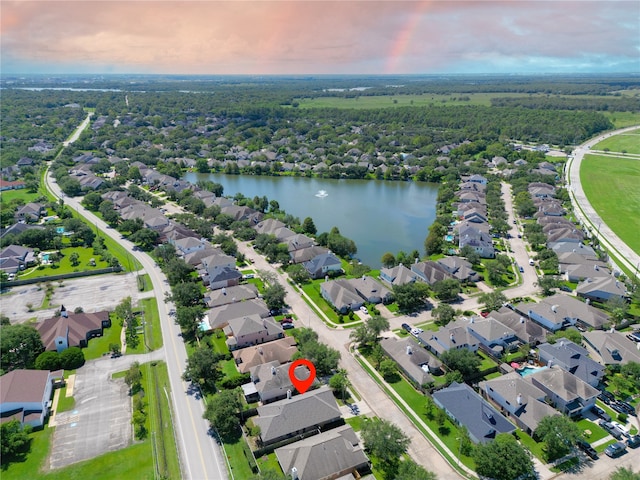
pixel 60 230
pixel 527 370
pixel 45 257
pixel 449 238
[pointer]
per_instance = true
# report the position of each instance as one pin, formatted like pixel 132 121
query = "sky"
pixel 284 37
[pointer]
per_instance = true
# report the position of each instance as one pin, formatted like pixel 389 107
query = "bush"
pixel 233 382
pixel 71 358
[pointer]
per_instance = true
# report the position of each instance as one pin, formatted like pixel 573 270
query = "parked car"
pixel 587 448
pixel 248 276
pixel 623 428
pixel 364 310
pixel 633 441
pixel 612 429
pixel 601 413
pixel 615 450
pixel 407 327
pixel 634 337
pixel 521 269
pixel 287 325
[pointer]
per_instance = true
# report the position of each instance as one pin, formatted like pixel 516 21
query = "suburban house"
pixel 216 260
pixel 16 257
pixel 299 242
pixel 321 265
pixel 460 268
pixel 251 330
pixel 526 330
pixel 31 212
pixel 280 350
pixel 25 396
pixel 551 316
pixel 72 329
pixel 226 295
pixel 219 317
pixel 413 359
pixel 269 226
pixel 298 415
pixel 195 258
pixel 185 246
pixel 578 272
pixel 578 312
pixel 222 277
pixel 611 347
pixel 602 289
pixel 568 393
pixel 493 335
pixel 453 335
pixel 333 454
pixel 272 380
pixel 518 399
pixel 398 275
pixel 572 358
pixel 430 272
pixel 351 294
pixel 478 240
pixel 306 254
pixel 7 185
pixel 466 407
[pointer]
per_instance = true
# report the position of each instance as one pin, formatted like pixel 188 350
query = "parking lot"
pixel 93 294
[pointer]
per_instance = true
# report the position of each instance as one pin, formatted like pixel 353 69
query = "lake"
pixel 380 216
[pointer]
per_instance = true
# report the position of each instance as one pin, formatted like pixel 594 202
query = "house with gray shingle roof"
pixel 322 265
pixel 398 275
pixel 572 358
pixel 494 335
pixel 31 212
pixel 306 254
pixel 333 454
pixel 226 295
pixel 611 348
pixel 520 400
pixel 580 312
pixel 412 358
pixel 602 289
pixel 567 393
pixel 272 380
pixel 430 272
pixel 297 415
pixel 454 335
pixel 460 268
pixel 219 317
pixel 526 330
pixel 466 407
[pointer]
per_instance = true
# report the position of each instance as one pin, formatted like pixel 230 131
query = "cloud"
pixel 271 37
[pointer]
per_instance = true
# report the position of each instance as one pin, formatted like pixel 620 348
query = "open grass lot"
pixel 624 142
pixel 64 265
pixel 623 119
pixel 100 345
pixel 153 330
pixel 10 195
pixel 611 184
pixel 240 467
pixel 313 291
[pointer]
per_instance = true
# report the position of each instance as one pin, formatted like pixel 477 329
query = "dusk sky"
pixel 319 37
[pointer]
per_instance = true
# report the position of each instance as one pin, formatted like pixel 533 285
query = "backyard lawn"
pixel 99 345
pixel 64 266
pixel 611 186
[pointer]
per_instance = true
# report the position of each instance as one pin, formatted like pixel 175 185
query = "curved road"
pixel 588 215
pixel 200 455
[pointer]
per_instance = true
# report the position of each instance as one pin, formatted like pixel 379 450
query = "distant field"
pixel 623 119
pixel 611 184
pixel 626 142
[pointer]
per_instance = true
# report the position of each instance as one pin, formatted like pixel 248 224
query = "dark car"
pixel 601 413
pixel 615 450
pixel 287 325
pixel 587 448
pixel 633 441
pixel 612 429
pixel 407 327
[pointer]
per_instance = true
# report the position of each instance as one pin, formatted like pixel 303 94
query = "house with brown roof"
pixel 72 329
pixel 25 395
pixel 280 350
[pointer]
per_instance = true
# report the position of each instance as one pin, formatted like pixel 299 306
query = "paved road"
pixel 200 455
pixel 588 215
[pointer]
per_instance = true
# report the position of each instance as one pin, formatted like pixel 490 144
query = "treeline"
pixel 609 104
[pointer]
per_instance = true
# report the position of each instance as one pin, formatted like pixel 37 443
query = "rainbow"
pixel 404 37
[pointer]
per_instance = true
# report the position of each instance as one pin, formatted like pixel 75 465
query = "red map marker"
pixel 302 385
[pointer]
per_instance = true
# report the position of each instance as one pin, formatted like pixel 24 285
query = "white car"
pixel 364 310
pixel 623 428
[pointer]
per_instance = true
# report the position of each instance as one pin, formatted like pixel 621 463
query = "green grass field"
pixel 623 119
pixel 611 185
pixel 622 143
pixel 10 195
pixel 100 345
pixel 64 265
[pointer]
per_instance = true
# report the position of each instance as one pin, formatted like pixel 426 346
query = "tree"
pixel 189 318
pixel 618 308
pixel 323 357
pixel 493 300
pixel 92 201
pixel 145 238
pixel 274 295
pixel 133 378
pixel 435 240
pixel 547 283
pixel 388 369
pixel 443 313
pixel 203 368
pixel 384 440
pixel 377 324
pixel 48 361
pixel 74 258
pixel 411 296
pixel 503 459
pixel 410 470
pixel 308 227
pixel 462 360
pixel 177 270
pixel 20 345
pixel 624 473
pixel 362 336
pixel 447 290
pixel 559 433
pixel 186 294
pixel 388 260
pixel 470 254
pixel 298 274
pixel 222 412
pixel 339 382
pixel 15 442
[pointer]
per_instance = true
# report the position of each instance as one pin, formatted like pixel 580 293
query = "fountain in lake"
pixel 321 194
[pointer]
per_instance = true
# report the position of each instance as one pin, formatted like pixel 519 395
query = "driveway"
pixel 101 419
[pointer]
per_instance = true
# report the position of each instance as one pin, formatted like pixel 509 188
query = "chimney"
pixel 519 399
pixel 451 337
pixel 554 308
pixel 521 319
pixel 273 370
pixel 289 394
pixel 260 351
pixel 409 351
